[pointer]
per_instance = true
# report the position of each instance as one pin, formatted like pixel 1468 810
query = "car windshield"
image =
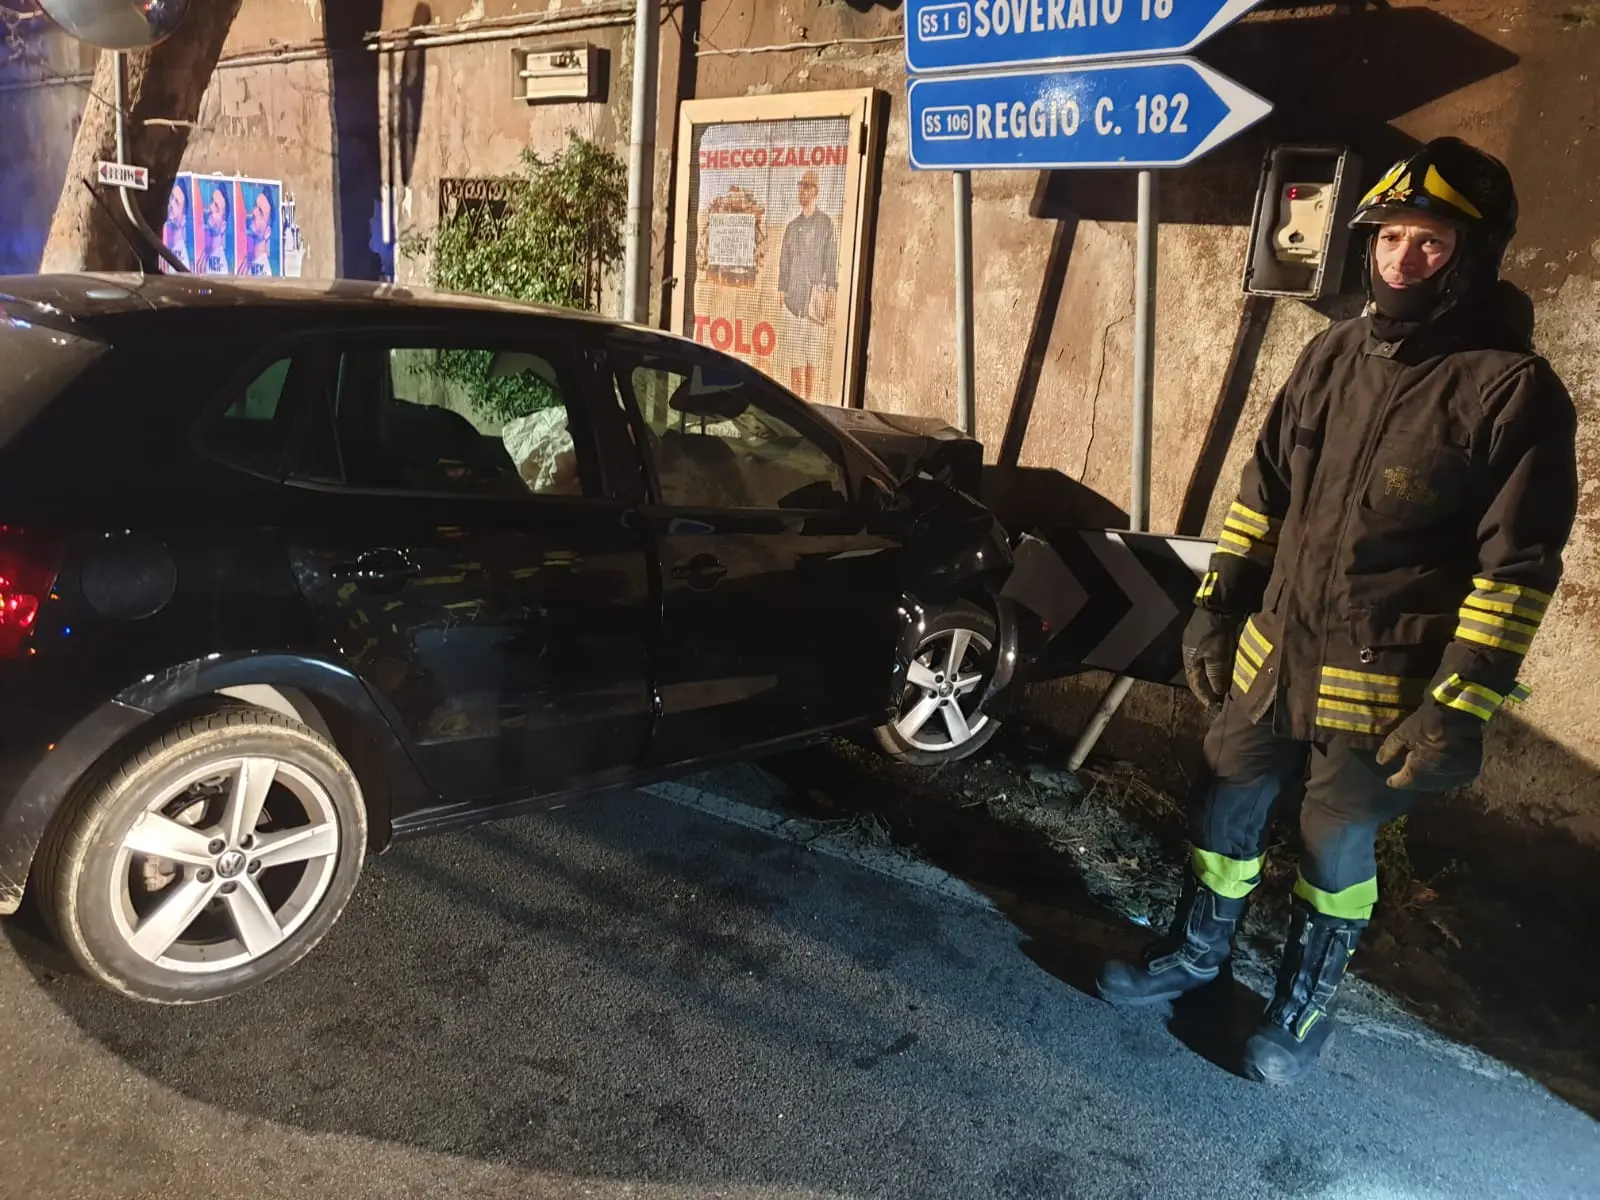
pixel 41 360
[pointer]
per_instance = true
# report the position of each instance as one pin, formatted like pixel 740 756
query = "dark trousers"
pixel 1346 800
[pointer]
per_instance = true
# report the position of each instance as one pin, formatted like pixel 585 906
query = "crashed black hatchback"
pixel 288 573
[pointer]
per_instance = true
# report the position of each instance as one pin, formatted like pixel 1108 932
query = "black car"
pixel 289 572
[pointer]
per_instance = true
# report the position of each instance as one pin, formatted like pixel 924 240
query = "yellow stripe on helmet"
pixel 1434 184
pixel 1384 184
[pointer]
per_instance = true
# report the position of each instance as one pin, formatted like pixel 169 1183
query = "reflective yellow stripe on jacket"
pixel 1503 616
pixel 1253 652
pixel 1364 701
pixel 1456 692
pixel 1249 534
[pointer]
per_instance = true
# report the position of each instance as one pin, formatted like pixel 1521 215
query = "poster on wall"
pixel 293 246
pixel 177 233
pixel 773 201
pixel 231 225
pixel 216 227
pixel 261 242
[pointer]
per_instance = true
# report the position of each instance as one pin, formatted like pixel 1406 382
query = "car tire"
pixel 941 720
pixel 239 834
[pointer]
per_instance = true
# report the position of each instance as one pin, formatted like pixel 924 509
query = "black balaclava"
pixel 1399 312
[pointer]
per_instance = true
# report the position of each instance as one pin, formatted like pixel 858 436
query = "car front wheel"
pixel 940 718
pixel 213 859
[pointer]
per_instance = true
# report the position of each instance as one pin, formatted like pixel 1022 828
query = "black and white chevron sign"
pixel 1109 599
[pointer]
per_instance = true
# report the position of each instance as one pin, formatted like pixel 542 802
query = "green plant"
pixel 553 240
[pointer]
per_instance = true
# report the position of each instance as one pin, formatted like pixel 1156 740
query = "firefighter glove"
pixel 1436 749
pixel 1209 644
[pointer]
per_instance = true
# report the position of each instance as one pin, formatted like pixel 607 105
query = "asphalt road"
pixel 631 999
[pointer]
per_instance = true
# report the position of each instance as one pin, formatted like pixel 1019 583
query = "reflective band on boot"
pixel 1234 878
pixel 1355 903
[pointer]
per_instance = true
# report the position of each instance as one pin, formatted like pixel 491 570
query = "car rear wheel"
pixel 940 718
pixel 210 861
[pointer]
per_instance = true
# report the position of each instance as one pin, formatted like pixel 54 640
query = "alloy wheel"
pixel 939 710
pixel 225 865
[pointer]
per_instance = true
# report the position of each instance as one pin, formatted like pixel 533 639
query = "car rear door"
pixel 779 605
pixel 456 535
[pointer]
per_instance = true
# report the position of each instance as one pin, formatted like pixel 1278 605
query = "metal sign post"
pixel 1144 370
pixel 1144 352
pixel 641 162
pixel 966 386
pixel 1139 112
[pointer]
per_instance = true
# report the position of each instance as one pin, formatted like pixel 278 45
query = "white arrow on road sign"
pixel 1110 598
pixel 124 175
pixel 1163 113
pixel 1151 613
pixel 974 35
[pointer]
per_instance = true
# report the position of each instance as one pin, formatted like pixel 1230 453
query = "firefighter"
pixel 1393 549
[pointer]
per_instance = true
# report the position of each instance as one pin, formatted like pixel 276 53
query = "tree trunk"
pixel 165 82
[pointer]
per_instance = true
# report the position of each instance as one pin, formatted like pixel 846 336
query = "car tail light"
pixel 27 572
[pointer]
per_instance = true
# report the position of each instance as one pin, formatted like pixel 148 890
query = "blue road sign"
pixel 976 35
pixel 1137 114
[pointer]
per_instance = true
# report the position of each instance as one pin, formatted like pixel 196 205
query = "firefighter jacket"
pixel 1399 528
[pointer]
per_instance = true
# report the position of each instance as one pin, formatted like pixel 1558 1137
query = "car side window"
pixel 251 428
pixel 420 415
pixel 719 440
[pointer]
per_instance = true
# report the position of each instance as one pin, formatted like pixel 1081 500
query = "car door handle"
pixel 701 571
pixel 376 570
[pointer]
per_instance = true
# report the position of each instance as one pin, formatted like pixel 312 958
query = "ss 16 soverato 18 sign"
pixel 965 35
pixel 1139 114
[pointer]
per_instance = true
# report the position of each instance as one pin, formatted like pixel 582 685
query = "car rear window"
pixel 41 361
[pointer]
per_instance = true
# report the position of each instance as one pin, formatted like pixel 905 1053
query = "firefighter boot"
pixel 1297 1025
pixel 1188 956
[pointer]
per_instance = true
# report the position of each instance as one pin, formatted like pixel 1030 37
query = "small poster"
pixel 294 251
pixel 770 198
pixel 770 270
pixel 216 225
pixel 260 204
pixel 731 238
pixel 177 233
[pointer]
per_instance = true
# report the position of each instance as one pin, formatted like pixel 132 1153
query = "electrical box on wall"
pixel 1300 232
pixel 555 73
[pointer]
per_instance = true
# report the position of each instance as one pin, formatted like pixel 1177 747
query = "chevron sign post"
pixel 1110 599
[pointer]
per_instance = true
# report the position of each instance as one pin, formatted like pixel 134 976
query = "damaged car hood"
pixel 911 446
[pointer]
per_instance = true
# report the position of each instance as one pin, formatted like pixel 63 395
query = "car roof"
pixel 88 297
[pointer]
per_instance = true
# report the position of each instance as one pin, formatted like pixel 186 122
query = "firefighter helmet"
pixel 1449 179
